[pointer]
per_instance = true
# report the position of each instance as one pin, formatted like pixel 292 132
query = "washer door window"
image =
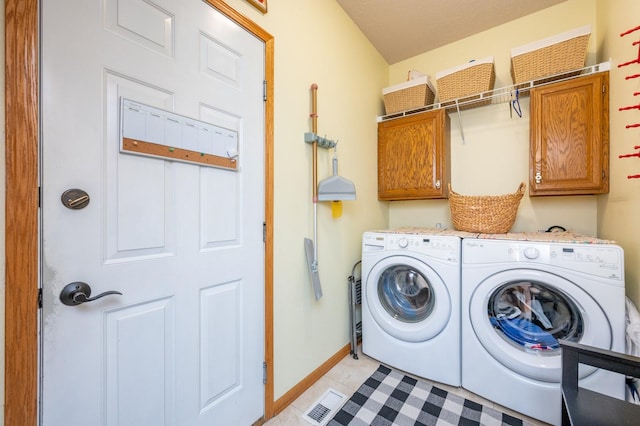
pixel 518 316
pixel 532 316
pixel 407 298
pixel 405 293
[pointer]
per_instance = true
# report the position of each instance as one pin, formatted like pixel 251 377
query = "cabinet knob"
pixel 438 184
pixel 538 177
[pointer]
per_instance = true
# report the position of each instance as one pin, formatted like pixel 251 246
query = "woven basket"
pixel 409 95
pixel 551 60
pixel 487 214
pixel 466 82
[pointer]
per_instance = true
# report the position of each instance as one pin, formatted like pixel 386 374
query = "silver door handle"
pixel 76 293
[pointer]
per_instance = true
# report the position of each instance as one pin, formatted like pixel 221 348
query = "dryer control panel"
pixel 601 260
pixel 436 246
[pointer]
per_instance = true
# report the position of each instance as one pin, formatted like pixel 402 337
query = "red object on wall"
pixel 630 31
pixel 626 108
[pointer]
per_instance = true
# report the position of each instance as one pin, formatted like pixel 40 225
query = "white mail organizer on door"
pixel 154 132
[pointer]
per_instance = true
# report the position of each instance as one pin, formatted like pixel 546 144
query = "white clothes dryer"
pixel 519 298
pixel 411 302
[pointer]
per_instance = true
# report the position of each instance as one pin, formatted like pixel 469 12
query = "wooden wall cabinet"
pixel 569 129
pixel 414 157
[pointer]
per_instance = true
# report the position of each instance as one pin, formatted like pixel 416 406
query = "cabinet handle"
pixel 538 177
pixel 438 185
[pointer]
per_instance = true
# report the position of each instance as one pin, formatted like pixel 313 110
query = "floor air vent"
pixel 325 408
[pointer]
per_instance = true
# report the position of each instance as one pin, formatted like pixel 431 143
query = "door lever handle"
pixel 76 293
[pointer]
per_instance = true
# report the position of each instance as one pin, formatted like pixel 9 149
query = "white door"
pixel 182 242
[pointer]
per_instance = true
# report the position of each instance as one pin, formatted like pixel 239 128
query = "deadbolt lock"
pixel 75 199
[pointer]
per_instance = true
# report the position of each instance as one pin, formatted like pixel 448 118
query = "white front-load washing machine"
pixel 411 301
pixel 519 297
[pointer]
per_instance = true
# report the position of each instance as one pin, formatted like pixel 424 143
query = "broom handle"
pixel 314 129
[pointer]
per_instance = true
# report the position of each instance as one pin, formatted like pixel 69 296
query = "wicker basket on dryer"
pixel 487 214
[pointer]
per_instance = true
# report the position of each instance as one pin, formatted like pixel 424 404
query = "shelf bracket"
pixel 460 122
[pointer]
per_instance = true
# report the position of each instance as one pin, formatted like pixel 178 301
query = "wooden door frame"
pixel 22 269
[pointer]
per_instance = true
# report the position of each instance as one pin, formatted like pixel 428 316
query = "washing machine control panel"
pixel 441 247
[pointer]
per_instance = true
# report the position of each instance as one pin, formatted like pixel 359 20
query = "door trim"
pixel 22 268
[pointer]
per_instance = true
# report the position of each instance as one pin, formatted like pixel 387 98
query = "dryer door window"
pixel 532 316
pixel 526 343
pixel 405 293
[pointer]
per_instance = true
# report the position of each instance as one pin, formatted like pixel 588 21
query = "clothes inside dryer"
pixel 533 316
pixel 405 294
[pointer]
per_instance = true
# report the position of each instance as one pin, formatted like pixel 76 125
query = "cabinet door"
pixel 570 137
pixel 413 157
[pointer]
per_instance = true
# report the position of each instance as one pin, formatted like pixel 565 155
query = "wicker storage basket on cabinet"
pixel 465 82
pixel 412 94
pixel 552 56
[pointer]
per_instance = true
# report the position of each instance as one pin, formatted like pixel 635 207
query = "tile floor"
pixel 346 377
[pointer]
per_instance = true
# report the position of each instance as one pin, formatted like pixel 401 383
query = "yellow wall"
pixel 493 158
pixel 316 42
pixel 619 211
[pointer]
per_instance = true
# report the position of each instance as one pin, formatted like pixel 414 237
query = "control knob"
pixel 403 243
pixel 531 253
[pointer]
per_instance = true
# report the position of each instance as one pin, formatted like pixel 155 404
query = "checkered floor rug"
pixel 391 398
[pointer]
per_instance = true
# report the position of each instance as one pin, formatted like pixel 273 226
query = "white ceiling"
pixel 401 29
